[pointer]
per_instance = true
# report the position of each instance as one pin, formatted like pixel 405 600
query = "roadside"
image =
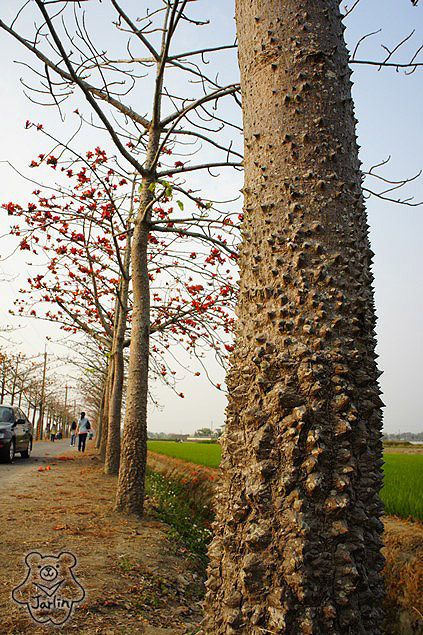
pixel 137 581
pixel 136 578
pixel 41 450
pixel 403 550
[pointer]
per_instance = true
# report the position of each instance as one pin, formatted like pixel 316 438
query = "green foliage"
pixel 208 454
pixel 150 591
pixel 402 492
pixel 189 523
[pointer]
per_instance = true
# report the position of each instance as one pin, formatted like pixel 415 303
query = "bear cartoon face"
pixel 50 589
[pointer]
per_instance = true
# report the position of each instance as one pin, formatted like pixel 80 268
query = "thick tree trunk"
pixel 130 491
pixel 297 537
pixel 111 465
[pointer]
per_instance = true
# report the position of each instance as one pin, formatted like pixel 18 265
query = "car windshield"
pixel 6 414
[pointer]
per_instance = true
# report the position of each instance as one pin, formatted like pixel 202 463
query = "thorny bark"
pixel 297 537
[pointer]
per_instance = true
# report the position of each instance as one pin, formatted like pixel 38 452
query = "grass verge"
pixel 174 505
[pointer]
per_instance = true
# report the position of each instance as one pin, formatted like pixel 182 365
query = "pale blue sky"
pixel 388 107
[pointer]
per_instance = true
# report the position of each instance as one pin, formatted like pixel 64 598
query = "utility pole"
pixel 43 388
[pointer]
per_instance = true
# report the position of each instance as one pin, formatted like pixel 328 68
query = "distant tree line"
pixel 200 433
pixel 404 436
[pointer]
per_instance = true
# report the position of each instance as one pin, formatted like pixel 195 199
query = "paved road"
pixel 13 473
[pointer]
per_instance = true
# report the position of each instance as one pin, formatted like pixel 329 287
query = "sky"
pixel 388 107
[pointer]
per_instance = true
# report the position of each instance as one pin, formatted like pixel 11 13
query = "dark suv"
pixel 15 433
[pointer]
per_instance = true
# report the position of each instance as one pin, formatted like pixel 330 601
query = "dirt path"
pixel 136 580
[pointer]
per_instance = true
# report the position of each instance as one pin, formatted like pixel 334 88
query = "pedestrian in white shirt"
pixel 83 428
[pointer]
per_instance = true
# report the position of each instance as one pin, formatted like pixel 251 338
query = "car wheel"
pixel 25 454
pixel 11 453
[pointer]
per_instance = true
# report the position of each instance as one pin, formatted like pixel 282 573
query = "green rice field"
pixel 208 454
pixel 402 492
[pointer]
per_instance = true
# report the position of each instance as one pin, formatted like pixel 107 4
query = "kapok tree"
pixel 86 284
pixel 297 544
pixel 174 118
pixel 74 232
pixel 79 227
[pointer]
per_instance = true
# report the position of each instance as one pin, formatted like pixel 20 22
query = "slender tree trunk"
pixel 105 424
pixel 42 400
pixel 100 415
pixel 34 415
pixel 297 540
pixel 111 465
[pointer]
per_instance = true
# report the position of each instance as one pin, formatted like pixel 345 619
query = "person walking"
pixel 84 427
pixel 73 433
pixel 53 431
